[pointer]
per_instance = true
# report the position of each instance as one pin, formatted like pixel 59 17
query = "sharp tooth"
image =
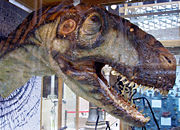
pixel 147 119
pixel 132 77
pixel 143 88
pixel 131 84
pixel 125 107
pixel 150 88
pixel 123 78
pixel 126 82
pixel 156 90
pixel 146 88
pixel 122 91
pixel 113 72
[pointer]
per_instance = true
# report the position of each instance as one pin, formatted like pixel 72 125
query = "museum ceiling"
pixel 33 4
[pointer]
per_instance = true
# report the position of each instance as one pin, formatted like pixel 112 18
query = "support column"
pixel 41 104
pixel 60 92
pixel 77 112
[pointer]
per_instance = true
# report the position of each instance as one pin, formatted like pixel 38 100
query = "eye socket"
pixel 91 30
pixel 67 27
pixel 92 24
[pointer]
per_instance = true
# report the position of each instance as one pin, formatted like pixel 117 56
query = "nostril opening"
pixel 167 59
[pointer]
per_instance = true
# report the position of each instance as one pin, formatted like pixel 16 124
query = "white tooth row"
pixel 123 105
pixel 131 84
pixel 124 79
pixel 113 72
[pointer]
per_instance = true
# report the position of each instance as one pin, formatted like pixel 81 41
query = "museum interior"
pixel 47 102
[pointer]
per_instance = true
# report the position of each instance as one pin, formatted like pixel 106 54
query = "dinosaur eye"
pixel 67 27
pixel 90 30
pixel 95 19
pixel 91 25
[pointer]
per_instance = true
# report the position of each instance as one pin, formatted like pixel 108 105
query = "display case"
pixel 48 103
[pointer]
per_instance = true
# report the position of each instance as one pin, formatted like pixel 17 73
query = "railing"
pixel 153 16
pixel 149 8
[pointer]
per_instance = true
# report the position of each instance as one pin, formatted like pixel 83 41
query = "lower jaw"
pixel 117 106
pixel 113 103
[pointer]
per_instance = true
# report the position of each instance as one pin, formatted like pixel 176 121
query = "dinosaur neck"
pixel 20 64
pixel 25 53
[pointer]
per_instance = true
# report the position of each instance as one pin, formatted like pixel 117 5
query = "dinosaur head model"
pixel 76 42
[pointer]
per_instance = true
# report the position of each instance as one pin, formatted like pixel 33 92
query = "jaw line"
pixel 110 100
pixel 124 110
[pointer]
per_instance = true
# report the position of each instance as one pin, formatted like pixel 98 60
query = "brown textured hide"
pixel 75 42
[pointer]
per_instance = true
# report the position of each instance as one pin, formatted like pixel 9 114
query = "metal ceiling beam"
pixel 104 2
pixel 33 4
pixel 171 43
pixel 154 13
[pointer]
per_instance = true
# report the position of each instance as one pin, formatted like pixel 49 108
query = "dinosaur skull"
pixel 76 42
pixel 93 38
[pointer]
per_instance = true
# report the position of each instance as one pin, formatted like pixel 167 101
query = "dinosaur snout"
pixel 157 71
pixel 167 59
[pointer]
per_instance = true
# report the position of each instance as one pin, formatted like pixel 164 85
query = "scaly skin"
pixel 75 42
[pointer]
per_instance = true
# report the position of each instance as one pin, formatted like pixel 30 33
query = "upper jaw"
pixel 99 92
pixel 160 79
pixel 102 94
pixel 163 86
pixel 152 78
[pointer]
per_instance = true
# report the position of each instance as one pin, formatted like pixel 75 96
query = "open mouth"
pixel 113 96
pixel 120 91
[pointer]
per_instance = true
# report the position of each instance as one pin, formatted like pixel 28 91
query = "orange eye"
pixel 67 27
